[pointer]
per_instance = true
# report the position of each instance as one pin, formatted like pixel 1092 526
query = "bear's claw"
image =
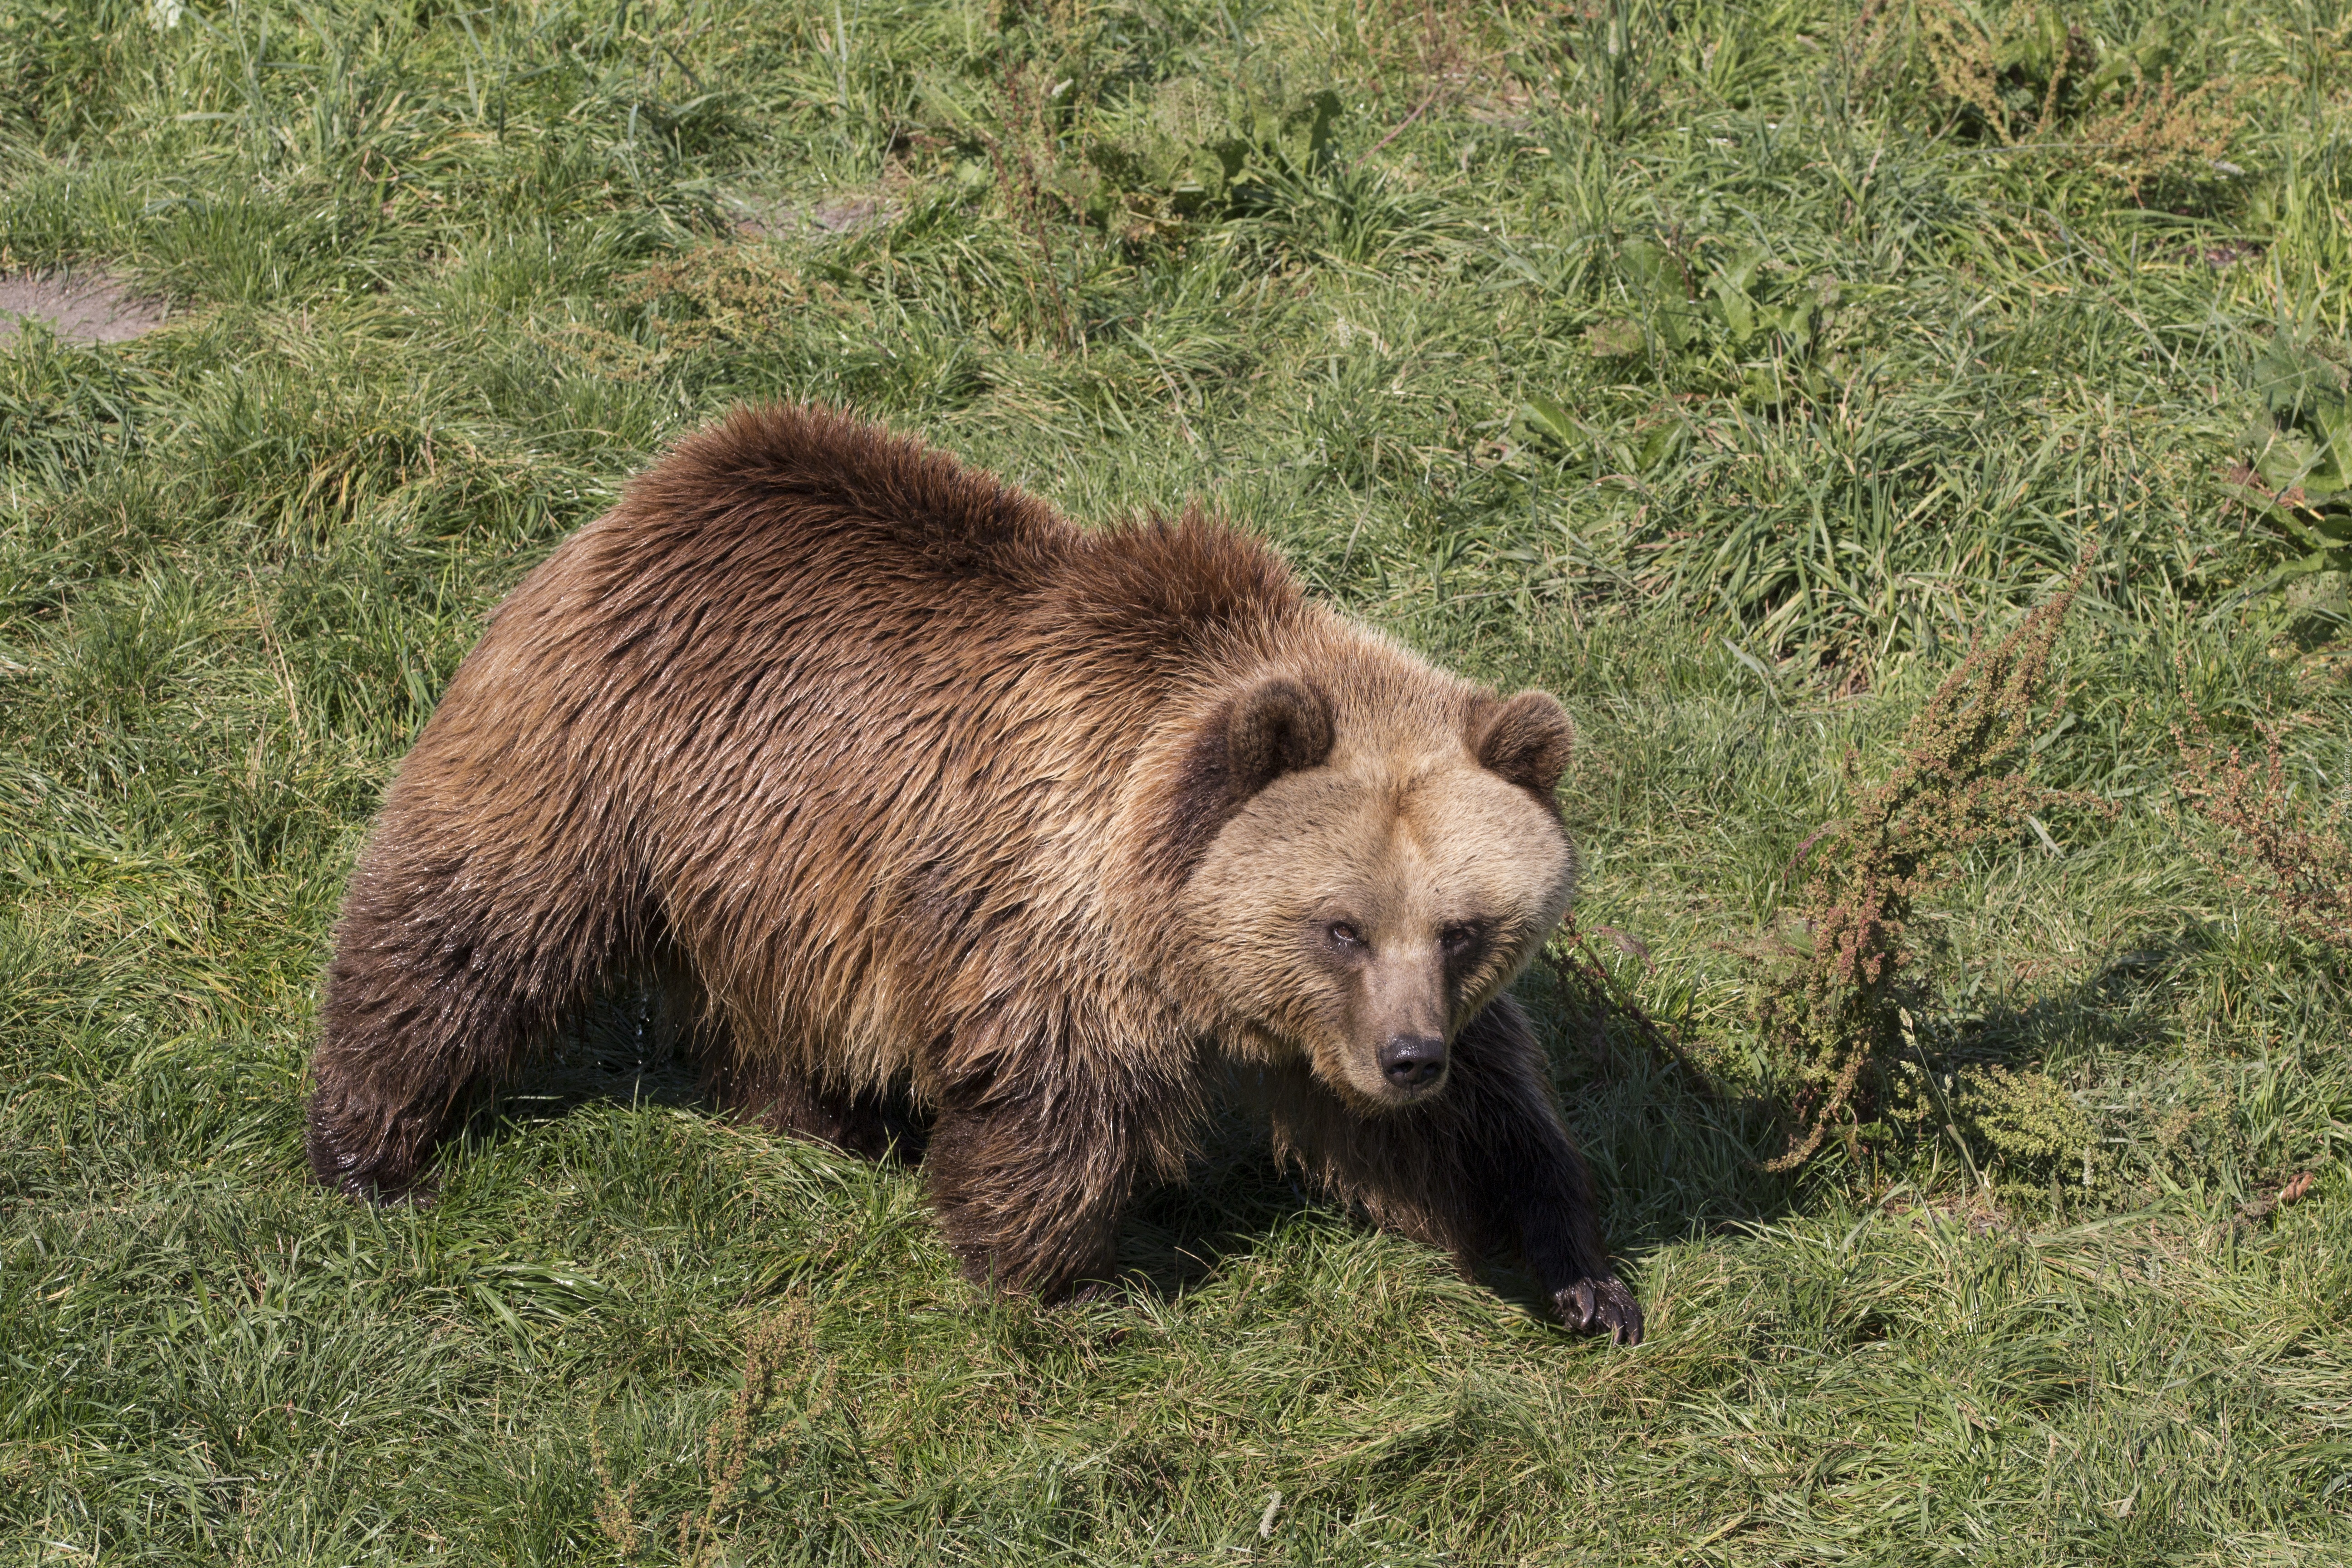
pixel 1591 1305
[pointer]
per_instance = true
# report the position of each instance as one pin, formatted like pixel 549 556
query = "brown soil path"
pixel 88 308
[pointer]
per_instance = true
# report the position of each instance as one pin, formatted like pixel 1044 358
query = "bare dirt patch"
pixel 843 215
pixel 88 308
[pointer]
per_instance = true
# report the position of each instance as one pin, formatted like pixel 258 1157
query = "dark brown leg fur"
pixel 1029 1177
pixel 1014 1220
pixel 446 969
pixel 1484 1168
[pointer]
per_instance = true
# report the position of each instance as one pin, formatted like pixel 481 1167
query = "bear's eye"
pixel 1343 935
pixel 1460 939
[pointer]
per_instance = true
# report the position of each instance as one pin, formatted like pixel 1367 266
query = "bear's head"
pixel 1382 866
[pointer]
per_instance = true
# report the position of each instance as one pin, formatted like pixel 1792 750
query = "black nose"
pixel 1412 1062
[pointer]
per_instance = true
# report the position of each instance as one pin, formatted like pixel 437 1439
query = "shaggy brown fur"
pixel 917 793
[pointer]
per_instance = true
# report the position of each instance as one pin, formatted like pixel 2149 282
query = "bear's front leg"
pixel 1029 1169
pixel 1528 1174
pixel 1484 1167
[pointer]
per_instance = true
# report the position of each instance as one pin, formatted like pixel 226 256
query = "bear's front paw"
pixel 1591 1305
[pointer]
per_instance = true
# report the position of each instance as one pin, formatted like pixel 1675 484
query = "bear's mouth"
pixel 1397 1096
pixel 1363 1080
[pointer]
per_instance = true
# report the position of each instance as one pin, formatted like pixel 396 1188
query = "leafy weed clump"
pixel 2134 109
pixel 2298 472
pixel 1833 1004
pixel 2019 1130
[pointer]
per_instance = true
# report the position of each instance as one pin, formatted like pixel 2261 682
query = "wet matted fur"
pixel 920 796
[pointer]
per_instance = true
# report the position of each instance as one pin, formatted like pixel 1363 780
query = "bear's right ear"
pixel 1528 741
pixel 1277 727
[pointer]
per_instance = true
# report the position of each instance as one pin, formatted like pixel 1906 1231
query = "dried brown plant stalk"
pixel 614 1508
pixel 1016 157
pixel 2277 851
pixel 779 1345
pixel 1832 1001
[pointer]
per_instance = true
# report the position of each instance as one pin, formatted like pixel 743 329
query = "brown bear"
pixel 917 794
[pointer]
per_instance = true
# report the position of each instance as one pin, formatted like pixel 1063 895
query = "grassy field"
pixel 1723 368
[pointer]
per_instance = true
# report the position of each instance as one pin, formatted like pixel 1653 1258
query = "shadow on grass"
pixel 2120 1007
pixel 1176 1238
pixel 618 1051
pixel 1674 1149
pixel 1671 1154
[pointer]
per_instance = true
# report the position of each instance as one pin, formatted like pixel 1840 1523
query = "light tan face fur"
pixel 1373 900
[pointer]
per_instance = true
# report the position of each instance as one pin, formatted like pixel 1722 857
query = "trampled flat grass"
pixel 1728 371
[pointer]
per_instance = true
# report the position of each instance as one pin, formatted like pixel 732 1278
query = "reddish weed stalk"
pixel 1832 1002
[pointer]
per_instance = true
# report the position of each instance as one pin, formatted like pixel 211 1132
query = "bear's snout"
pixel 1414 1061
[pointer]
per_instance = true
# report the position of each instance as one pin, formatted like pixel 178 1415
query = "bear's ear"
pixel 1278 726
pixel 1526 740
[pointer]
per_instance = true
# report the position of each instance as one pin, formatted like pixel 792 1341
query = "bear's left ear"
pixel 1526 741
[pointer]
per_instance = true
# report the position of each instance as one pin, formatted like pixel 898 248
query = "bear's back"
pixel 794 490
pixel 849 705
pixel 797 542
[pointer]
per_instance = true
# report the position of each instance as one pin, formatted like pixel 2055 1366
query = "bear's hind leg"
pixel 1029 1169
pixel 444 972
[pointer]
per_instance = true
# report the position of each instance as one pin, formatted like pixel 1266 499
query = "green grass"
pixel 1721 368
